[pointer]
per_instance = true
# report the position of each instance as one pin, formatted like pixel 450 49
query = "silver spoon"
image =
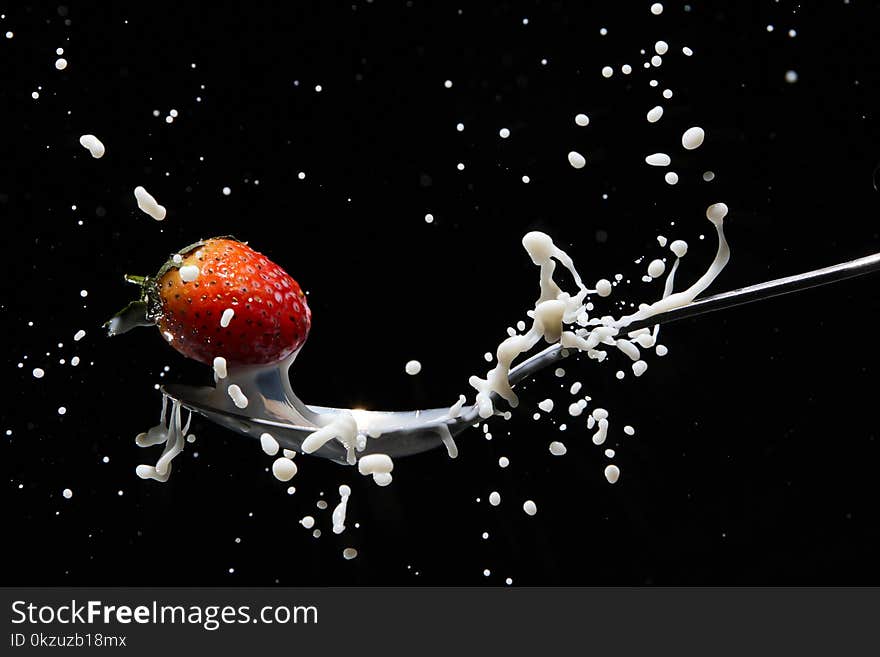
pixel 410 432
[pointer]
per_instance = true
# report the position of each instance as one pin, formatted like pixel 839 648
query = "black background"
pixel 756 449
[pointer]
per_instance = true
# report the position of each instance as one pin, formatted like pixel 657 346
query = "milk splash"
pixel 563 318
pixel 558 317
pixel 566 318
pixel 170 431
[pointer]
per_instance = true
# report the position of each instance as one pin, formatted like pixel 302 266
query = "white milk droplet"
pixel 148 204
pixel 658 160
pixel 557 448
pixel 220 367
pixel 656 268
pixel 716 213
pixel 189 273
pixel 237 396
pixel 93 145
pixel 612 473
pixel 269 444
pixel 693 138
pixel 654 114
pixel 284 469
pixel 340 510
pixel 576 160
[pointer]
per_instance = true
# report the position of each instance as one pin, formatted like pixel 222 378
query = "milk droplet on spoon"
pixel 269 444
pixel 220 367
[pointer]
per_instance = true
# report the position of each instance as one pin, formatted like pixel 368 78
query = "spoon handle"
pixel 767 290
pixel 758 292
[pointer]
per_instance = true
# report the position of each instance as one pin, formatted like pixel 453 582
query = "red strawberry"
pixel 189 295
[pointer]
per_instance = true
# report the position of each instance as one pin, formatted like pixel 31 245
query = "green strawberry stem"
pixel 137 313
pixel 133 315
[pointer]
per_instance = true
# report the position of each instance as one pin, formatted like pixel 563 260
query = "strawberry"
pixel 191 297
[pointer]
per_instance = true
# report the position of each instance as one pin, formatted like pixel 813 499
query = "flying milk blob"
pixel 93 145
pixel 341 509
pixel 148 204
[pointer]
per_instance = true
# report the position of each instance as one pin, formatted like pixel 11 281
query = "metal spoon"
pixel 411 432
